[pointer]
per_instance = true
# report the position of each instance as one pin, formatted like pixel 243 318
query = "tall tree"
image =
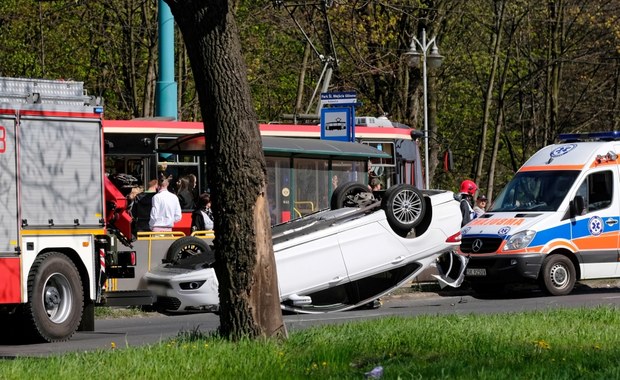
pixel 245 263
pixel 496 41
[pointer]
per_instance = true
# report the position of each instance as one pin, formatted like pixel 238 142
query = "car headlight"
pixel 520 240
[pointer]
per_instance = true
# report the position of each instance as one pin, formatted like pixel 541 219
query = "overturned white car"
pixel 337 259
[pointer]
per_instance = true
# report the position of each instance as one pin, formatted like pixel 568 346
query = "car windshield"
pixel 535 191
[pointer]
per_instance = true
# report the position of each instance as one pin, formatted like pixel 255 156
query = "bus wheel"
pixel 558 275
pixel 185 247
pixel 55 298
pixel 404 207
pixel 347 195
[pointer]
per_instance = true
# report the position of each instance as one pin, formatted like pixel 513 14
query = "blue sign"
pixel 336 124
pixel 346 97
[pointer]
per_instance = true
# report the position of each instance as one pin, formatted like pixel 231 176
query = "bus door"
pixel 279 188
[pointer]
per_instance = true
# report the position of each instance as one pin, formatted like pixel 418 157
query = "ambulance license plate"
pixel 476 272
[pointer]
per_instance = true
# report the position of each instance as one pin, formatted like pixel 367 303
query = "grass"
pixel 106 312
pixel 560 344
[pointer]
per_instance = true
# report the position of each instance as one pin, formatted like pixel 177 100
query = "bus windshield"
pixel 535 191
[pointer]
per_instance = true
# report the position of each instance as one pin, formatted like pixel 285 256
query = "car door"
pixel 312 264
pixel 595 233
pixel 371 248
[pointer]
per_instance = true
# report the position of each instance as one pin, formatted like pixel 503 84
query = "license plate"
pixel 158 290
pixel 476 272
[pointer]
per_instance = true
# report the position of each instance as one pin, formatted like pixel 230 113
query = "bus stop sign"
pixel 338 116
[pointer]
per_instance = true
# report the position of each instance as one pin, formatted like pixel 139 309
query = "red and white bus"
pixel 300 177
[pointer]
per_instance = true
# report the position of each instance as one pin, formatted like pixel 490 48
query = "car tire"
pixel 558 275
pixel 404 207
pixel 185 247
pixel 344 195
pixel 55 298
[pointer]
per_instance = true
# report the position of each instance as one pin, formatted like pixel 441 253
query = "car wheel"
pixel 404 206
pixel 347 195
pixel 55 298
pixel 185 247
pixel 558 275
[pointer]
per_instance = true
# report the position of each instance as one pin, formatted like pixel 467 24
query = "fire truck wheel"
pixel 404 207
pixel 55 298
pixel 349 194
pixel 558 275
pixel 185 247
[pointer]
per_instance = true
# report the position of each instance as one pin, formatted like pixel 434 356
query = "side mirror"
pixel 577 206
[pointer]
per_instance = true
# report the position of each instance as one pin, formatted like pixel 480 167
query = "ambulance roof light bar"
pixel 589 136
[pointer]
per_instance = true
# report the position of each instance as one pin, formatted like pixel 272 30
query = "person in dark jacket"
pixel 202 217
pixel 186 199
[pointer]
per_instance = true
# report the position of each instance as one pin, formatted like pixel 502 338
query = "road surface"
pixel 153 328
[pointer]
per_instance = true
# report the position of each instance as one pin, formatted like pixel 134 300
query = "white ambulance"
pixel 556 222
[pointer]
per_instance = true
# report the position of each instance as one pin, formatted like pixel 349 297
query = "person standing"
pixel 141 210
pixel 466 197
pixel 202 217
pixel 375 184
pixel 481 205
pixel 166 209
pixel 184 193
pixel 193 187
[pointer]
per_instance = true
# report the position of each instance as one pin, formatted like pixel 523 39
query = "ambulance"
pixel 555 223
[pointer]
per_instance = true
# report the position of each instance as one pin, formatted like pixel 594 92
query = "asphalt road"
pixel 136 331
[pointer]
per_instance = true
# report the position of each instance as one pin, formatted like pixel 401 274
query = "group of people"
pixel 469 210
pixel 158 208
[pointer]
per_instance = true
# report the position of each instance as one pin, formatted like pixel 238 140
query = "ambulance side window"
pixel 597 190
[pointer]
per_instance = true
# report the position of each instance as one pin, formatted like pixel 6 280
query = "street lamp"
pixel 434 61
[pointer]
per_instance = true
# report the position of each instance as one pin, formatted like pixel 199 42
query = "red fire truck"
pixel 58 244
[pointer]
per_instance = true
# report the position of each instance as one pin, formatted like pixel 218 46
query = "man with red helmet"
pixel 466 195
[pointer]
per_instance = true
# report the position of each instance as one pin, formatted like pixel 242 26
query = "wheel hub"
pixel 406 208
pixel 57 299
pixel 52 297
pixel 559 276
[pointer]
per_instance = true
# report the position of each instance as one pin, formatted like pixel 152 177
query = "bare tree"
pixel 245 263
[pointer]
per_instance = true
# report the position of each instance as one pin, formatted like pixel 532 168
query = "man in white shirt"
pixel 166 209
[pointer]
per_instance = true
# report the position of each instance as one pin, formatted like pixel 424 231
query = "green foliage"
pixel 560 53
pixel 557 344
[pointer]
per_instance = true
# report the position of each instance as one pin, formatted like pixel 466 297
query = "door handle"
pixel 398 259
pixel 336 280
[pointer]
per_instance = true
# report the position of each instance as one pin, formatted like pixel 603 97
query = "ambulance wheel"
pixel 185 247
pixel 55 298
pixel 349 194
pixel 404 207
pixel 558 275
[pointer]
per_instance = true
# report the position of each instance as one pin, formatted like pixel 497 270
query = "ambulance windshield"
pixel 535 191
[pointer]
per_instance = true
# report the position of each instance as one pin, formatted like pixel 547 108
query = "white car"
pixel 337 259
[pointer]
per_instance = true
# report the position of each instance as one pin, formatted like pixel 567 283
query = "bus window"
pixel 116 164
pixel 347 171
pixel 310 179
pixel 384 168
pixel 176 165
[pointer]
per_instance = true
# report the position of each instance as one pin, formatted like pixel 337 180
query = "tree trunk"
pixel 554 70
pixel 245 263
pixel 499 125
pixel 302 79
pixel 488 98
